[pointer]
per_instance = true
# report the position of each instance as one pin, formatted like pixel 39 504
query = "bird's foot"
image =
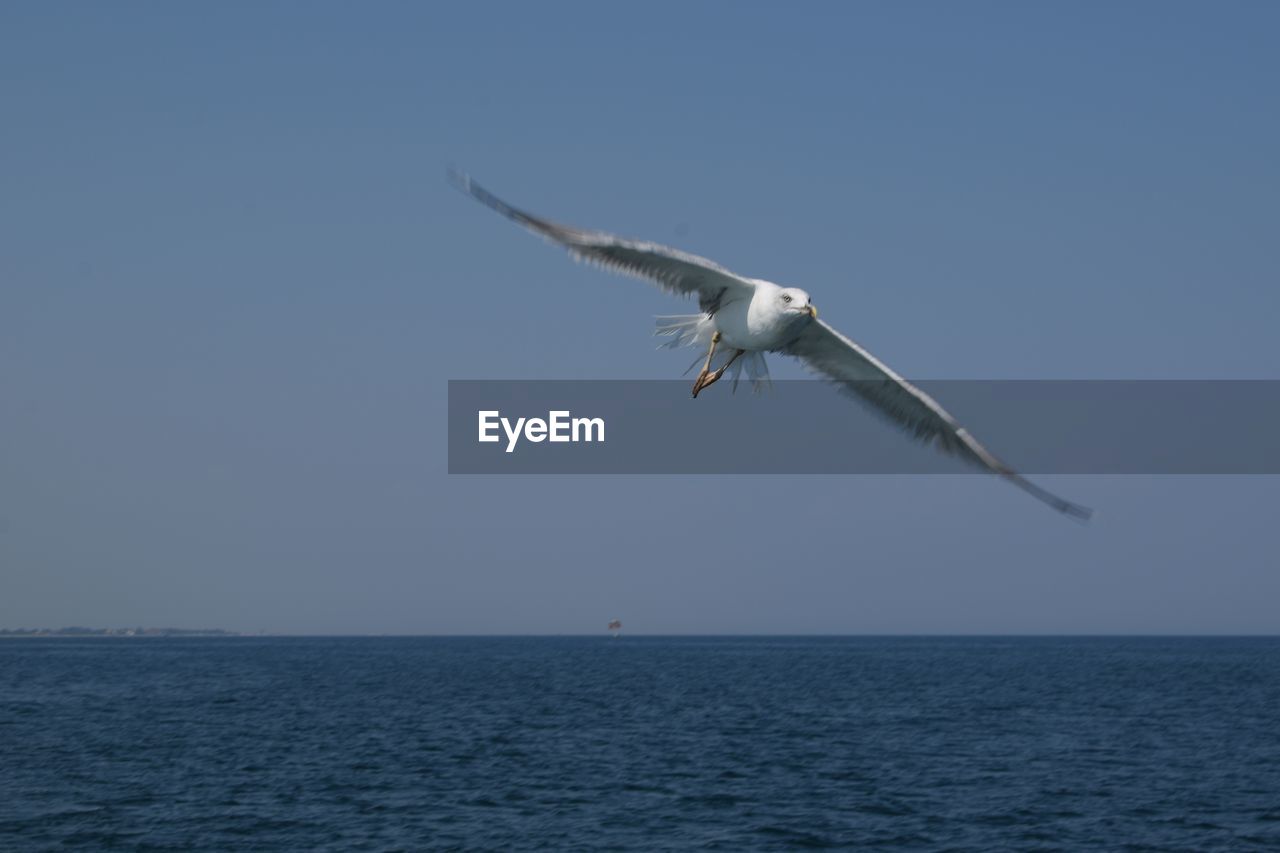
pixel 707 378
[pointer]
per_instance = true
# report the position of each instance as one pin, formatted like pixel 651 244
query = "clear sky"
pixel 234 284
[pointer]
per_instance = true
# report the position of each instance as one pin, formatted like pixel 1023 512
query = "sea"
pixel 639 743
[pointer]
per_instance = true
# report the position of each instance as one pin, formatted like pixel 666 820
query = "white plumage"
pixel 752 317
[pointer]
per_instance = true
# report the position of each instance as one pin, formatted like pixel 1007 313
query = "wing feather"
pixel 671 269
pixel 862 376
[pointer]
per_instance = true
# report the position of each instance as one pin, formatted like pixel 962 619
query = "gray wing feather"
pixel 671 269
pixel 862 376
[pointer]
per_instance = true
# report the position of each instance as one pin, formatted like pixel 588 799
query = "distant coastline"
pixel 117 632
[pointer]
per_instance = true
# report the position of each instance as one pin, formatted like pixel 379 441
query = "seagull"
pixel 744 318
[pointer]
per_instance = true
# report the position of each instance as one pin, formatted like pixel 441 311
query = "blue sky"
pixel 234 284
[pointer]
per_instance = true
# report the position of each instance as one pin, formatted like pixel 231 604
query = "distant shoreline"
pixel 20 633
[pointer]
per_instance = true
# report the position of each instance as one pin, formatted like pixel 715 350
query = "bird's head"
pixel 796 301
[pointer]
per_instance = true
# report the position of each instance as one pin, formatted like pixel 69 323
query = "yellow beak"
pixel 813 312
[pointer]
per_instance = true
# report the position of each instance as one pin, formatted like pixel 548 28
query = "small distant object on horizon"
pixel 615 627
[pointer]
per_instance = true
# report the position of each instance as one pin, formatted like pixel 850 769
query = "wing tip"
pixel 464 183
pixel 459 180
pixel 1076 512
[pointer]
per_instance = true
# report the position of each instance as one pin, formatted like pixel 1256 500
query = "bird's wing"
pixel 672 270
pixel 861 375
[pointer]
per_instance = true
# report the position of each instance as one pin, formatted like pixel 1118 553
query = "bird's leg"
pixel 707 378
pixel 701 382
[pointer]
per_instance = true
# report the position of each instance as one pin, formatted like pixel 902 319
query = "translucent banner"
pixel 809 427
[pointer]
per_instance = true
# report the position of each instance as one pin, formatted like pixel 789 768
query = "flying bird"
pixel 742 318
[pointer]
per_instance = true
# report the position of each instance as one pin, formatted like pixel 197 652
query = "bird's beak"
pixel 813 312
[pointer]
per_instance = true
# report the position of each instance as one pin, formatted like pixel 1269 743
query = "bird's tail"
pixel 684 330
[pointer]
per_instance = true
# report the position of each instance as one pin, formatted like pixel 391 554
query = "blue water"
pixel 638 743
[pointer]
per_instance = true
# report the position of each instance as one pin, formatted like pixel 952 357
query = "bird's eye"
pixel 786 297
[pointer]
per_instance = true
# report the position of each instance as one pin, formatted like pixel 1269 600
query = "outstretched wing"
pixel 861 375
pixel 672 270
